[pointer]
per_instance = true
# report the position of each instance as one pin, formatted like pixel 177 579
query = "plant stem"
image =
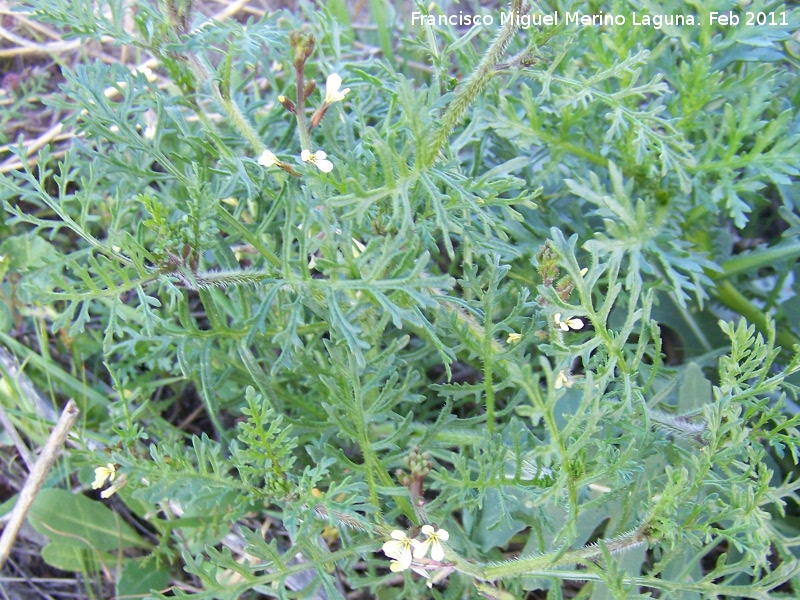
pixel 544 562
pixel 235 114
pixel 756 259
pixel 300 110
pixel 488 357
pixel 735 300
pixel 472 87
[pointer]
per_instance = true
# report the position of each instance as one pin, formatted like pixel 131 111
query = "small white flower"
pixel 434 541
pixel 358 248
pixel 564 379
pixel 108 473
pixel 268 159
pixel 568 323
pixel 318 159
pixel 332 93
pixel 101 474
pixel 399 548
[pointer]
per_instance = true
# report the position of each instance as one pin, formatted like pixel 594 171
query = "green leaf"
pixel 138 577
pixel 69 556
pixel 78 521
pixel 6 318
pixel 25 252
pixel 695 391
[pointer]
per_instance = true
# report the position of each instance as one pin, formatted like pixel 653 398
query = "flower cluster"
pixel 319 158
pixel 409 553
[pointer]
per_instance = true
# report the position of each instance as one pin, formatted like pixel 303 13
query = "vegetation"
pixel 355 305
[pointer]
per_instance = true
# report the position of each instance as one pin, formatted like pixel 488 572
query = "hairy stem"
pixel 300 110
pixel 482 74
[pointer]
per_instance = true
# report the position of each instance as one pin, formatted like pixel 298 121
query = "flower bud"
pixel 303 44
pixel 309 88
pixel 287 104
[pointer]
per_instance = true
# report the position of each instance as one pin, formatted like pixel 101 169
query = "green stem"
pixel 472 87
pixel 547 410
pixel 756 259
pixel 235 114
pixel 488 353
pixel 735 300
pixel 248 236
pixel 545 562
pixel 553 141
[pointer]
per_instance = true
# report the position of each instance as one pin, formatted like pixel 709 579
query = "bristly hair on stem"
pixel 470 89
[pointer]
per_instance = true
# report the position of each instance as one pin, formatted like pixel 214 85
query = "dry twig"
pixel 36 478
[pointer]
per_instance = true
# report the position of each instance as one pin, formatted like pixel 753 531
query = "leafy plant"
pixel 538 320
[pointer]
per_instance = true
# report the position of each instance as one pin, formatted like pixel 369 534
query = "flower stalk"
pixel 303 44
pixel 482 74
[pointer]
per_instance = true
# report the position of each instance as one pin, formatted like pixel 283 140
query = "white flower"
pixel 101 474
pixel 318 159
pixel 107 473
pixel 332 93
pixel 434 541
pixel 568 323
pixel 564 379
pixel 358 248
pixel 513 338
pixel 268 159
pixel 399 548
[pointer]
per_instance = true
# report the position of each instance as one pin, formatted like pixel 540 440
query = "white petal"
pixel 325 166
pixel 396 567
pixel 560 380
pixel 333 83
pixel 437 552
pixel 100 476
pixel 405 558
pixel 267 159
pixel 398 535
pixel 393 548
pixel 320 155
pixel 443 535
pixel 306 156
pixel 422 548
